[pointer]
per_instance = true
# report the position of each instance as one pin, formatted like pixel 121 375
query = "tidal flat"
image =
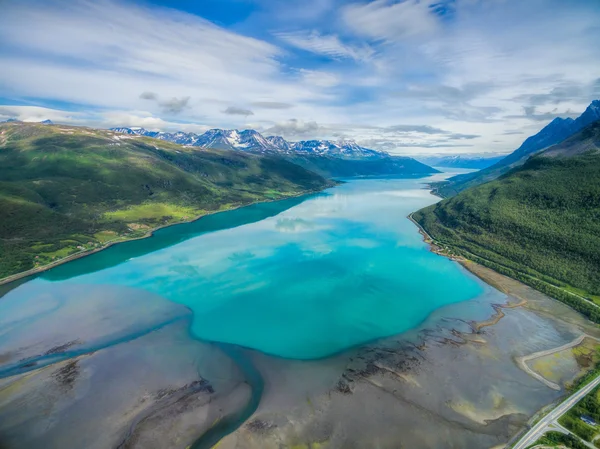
pixel 443 385
pixel 316 322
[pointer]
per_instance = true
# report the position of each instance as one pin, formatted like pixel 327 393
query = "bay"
pixel 301 279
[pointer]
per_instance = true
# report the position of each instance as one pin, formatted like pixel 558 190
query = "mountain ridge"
pixel 554 132
pixel 253 141
pixel 341 158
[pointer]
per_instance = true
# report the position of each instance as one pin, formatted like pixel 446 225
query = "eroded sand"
pixel 450 384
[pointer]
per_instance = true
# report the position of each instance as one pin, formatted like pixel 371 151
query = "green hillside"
pixel 539 223
pixel 66 189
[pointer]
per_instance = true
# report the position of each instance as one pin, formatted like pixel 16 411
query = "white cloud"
pixel 38 114
pixel 368 66
pixel 100 119
pixel 107 53
pixel 388 21
pixel 295 129
pixel 319 78
pixel 328 45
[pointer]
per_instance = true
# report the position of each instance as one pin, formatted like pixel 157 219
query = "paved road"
pixel 541 427
pixel 568 432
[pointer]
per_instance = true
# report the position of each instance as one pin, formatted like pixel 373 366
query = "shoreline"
pixel 361 371
pixel 148 234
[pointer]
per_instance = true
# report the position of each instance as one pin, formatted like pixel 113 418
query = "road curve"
pixel 540 428
pixel 522 361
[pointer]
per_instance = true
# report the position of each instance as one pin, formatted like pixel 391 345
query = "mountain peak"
pixel 591 114
pixel 252 141
pixel 559 121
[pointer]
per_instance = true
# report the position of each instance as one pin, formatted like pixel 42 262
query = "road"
pixel 522 361
pixel 542 426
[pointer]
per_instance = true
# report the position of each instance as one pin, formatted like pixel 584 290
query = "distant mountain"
pixel 247 140
pixel 556 131
pixel 537 223
pixel 331 166
pixel 471 161
pixel 180 137
pixel 47 122
pixel 326 157
pixel 348 149
pixel 280 143
pixel 253 142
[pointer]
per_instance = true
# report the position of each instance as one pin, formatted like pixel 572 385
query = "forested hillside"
pixel 67 189
pixel 539 222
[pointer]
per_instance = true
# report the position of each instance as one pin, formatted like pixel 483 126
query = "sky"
pixel 415 77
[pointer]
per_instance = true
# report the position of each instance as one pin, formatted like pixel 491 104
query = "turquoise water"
pixel 302 278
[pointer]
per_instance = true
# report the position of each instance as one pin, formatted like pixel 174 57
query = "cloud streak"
pixel 327 45
pixel 233 110
pixel 407 75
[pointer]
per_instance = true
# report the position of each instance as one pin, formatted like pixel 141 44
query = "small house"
pixel 588 420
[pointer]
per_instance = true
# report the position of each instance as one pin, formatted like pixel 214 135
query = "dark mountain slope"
pixel 329 166
pixel 470 161
pixel 556 131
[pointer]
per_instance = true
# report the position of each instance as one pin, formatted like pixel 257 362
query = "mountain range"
pixel 556 131
pixel 342 158
pixel 254 142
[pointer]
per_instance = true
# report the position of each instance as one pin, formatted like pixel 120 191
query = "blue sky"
pixel 407 76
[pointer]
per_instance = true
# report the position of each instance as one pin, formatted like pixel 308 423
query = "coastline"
pixel 149 233
pixel 438 372
pixel 518 290
pixel 478 270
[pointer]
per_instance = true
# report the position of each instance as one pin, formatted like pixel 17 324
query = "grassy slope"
pixel 539 223
pixel 65 187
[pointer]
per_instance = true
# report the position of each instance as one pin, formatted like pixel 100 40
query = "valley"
pixel 300 224
pixel 72 180
pixel 69 178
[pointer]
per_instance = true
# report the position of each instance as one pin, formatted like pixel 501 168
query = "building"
pixel 588 420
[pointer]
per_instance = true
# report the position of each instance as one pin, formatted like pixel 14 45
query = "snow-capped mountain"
pixel 280 143
pixel 253 142
pixel 342 148
pixel 590 115
pixel 248 140
pixel 178 137
pixel 128 131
